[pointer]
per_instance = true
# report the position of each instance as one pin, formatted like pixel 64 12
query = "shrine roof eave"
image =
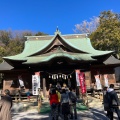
pixel 111 61
pixel 74 57
pixel 5 66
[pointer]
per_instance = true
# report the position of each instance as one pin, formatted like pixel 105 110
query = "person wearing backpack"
pixel 65 104
pixel 59 99
pixel 72 102
pixel 113 102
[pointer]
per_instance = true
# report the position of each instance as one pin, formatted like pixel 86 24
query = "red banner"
pixel 82 82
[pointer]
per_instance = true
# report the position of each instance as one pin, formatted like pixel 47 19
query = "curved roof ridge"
pixel 50 42
pixel 58 33
pixel 77 44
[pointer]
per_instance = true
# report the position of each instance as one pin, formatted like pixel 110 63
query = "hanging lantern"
pixel 60 76
pixel 52 76
pixel 49 76
pixel 70 76
pixel 57 76
pixel 65 77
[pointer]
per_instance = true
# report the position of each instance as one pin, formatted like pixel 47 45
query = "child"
pixel 28 95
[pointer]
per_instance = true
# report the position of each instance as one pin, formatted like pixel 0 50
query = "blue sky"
pixel 46 15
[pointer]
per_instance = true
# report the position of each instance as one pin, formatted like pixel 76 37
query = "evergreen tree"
pixel 107 35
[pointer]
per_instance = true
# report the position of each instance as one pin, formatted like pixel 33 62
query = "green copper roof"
pixel 46 58
pixel 36 46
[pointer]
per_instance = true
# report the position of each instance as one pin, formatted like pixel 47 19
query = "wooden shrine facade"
pixel 57 54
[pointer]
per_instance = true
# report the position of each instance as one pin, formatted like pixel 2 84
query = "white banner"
pixel 77 77
pixel 106 80
pixel 35 84
pixel 98 83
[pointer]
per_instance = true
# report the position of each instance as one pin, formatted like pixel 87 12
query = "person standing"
pixel 59 98
pixel 50 89
pixel 21 86
pixel 69 83
pixel 5 106
pixel 72 100
pixel 105 100
pixel 54 104
pixel 28 95
pixel 65 104
pixel 21 83
pixel 58 86
pixel 113 102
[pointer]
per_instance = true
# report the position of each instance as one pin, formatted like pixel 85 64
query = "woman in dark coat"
pixel 5 106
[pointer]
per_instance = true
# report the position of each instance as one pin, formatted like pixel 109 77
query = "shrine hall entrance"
pixel 69 79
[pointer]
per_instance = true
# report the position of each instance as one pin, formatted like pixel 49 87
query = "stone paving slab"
pixel 22 111
pixel 95 112
pixel 33 115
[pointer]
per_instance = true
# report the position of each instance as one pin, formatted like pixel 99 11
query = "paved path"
pixel 33 115
pixel 95 112
pixel 96 107
pixel 20 112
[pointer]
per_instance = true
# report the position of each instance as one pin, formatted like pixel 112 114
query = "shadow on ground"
pixel 100 114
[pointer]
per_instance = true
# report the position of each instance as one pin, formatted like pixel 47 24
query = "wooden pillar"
pixel 0 94
pixel 44 87
pixel 39 99
pixel 3 84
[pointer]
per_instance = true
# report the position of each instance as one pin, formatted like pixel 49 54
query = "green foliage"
pixel 12 43
pixel 14 47
pixel 40 34
pixel 25 33
pixel 2 53
pixel 107 35
pixel 5 36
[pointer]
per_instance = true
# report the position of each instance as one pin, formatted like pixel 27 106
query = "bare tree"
pixel 87 27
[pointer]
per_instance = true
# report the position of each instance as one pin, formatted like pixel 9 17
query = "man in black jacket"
pixel 72 102
pixel 113 102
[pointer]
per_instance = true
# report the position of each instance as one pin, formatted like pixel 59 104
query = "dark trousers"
pixel 59 107
pixel 65 108
pixel 54 113
pixel 110 113
pixel 73 108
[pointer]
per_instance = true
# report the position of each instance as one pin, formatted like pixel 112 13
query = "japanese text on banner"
pixel 98 83
pixel 35 84
pixel 82 82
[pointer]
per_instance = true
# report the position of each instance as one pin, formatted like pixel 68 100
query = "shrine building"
pixel 57 57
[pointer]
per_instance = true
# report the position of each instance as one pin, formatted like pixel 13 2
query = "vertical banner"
pixel 98 83
pixel 82 82
pixel 38 77
pixel 106 80
pixel 35 83
pixel 77 77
